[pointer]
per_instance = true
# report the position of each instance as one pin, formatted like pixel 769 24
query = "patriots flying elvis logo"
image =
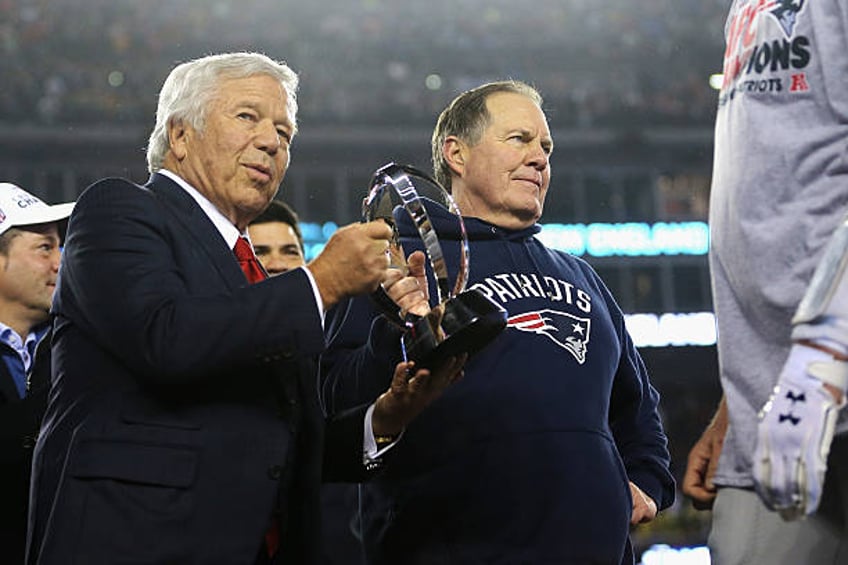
pixel 786 13
pixel 566 330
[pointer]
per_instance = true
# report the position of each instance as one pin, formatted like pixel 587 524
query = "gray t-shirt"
pixel 779 190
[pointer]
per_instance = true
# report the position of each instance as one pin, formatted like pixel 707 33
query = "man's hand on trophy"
pixel 409 290
pixel 795 431
pixel 410 392
pixel 353 262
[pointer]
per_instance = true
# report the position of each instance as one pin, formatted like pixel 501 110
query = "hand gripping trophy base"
pixel 464 324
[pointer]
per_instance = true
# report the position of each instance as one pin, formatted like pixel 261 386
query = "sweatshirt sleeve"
pixel 636 424
pixel 358 364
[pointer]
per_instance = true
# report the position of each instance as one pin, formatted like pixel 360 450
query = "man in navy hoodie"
pixel 551 445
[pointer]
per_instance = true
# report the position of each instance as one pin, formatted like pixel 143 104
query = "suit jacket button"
pixel 28 442
pixel 274 472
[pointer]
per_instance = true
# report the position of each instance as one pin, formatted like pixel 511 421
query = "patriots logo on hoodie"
pixel 566 330
pixel 786 13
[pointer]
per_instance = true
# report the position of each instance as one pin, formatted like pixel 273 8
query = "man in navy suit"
pixel 183 424
pixel 278 241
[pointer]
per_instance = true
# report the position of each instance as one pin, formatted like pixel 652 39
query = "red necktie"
pixel 250 266
pixel 248 262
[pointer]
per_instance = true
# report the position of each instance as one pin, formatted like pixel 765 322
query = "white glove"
pixel 795 431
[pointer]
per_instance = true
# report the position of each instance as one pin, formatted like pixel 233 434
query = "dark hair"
pixel 6 239
pixel 279 211
pixel 467 117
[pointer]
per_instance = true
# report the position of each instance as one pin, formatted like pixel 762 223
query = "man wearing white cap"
pixel 29 263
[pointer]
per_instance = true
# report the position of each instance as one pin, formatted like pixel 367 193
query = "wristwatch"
pixel 383 441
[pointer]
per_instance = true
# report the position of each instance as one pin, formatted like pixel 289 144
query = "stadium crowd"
pixel 604 63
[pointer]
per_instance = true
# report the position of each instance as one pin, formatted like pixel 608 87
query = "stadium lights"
pixel 631 239
pixel 716 80
pixel 662 554
pixel 433 82
pixel 671 329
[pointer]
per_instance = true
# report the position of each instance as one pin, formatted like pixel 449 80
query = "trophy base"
pixel 469 322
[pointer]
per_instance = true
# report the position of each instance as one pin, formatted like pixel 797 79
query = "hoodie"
pixel 527 458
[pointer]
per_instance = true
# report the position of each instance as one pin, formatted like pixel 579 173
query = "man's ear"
pixel 454 151
pixel 178 134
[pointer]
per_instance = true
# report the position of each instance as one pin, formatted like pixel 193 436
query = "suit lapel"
pixel 38 378
pixel 185 211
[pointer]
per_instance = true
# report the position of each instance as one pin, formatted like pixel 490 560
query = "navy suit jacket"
pixel 183 414
pixel 19 421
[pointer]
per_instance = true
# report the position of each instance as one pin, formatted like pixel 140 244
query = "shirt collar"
pixel 26 348
pixel 224 226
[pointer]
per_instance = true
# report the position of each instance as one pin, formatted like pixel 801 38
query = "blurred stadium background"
pixel 627 95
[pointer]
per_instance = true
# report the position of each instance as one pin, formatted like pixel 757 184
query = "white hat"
pixel 20 208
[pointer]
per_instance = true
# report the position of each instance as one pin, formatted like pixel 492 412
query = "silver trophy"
pixel 463 321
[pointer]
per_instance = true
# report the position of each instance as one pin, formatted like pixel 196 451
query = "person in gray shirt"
pixel 772 464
